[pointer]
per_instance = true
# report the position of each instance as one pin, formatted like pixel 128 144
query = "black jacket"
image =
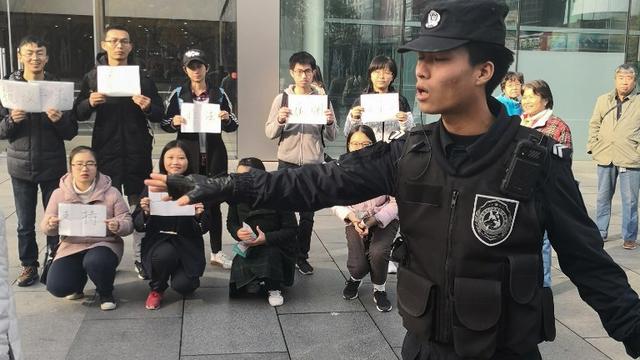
pixel 188 242
pixel 216 151
pixel 574 236
pixel 280 227
pixel 121 137
pixel 36 145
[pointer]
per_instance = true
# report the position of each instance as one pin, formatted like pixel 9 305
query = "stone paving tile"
pixel 215 324
pixel 130 339
pixel 241 356
pixel 569 346
pixel 334 336
pixel 609 347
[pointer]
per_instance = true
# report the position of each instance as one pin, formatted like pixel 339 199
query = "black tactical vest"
pixel 473 275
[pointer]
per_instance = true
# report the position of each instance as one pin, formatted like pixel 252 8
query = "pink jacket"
pixel 103 194
pixel 383 208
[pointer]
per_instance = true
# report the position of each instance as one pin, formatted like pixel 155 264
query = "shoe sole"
pixel 30 282
pixel 215 263
pixel 302 272
pixel 348 298
pixel 629 247
pixel 151 307
pixel 382 310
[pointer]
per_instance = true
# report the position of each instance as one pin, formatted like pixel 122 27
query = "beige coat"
pixel 103 194
pixel 614 141
pixel 298 143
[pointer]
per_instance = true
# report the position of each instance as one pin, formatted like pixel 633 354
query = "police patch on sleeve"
pixel 493 218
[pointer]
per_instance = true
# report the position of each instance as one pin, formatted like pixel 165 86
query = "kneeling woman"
pixel 79 256
pixel 270 255
pixel 173 245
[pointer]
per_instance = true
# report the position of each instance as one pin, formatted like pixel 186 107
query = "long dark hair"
pixel 175 144
pixel 365 129
pixel 382 62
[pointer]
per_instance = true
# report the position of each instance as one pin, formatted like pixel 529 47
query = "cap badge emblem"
pixel 192 53
pixel 433 19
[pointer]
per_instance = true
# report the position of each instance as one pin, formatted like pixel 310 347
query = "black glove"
pixel 199 188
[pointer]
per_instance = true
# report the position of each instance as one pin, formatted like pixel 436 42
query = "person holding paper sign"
pixel 122 137
pixel 80 256
pixel 36 155
pixel 173 247
pixel 382 73
pixel 300 144
pixel 270 240
pixel 207 152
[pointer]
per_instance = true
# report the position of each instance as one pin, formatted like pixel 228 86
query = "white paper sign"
pixel 200 118
pixel 379 107
pixel 121 80
pixel 20 95
pixel 307 109
pixel 82 220
pixel 158 207
pixel 55 95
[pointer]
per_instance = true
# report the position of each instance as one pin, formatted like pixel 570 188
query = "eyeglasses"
pixel 361 144
pixel 30 55
pixel 114 42
pixel 88 165
pixel 306 72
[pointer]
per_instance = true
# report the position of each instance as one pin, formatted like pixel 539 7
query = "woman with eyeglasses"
pixel 370 229
pixel 382 72
pixel 80 256
pixel 173 247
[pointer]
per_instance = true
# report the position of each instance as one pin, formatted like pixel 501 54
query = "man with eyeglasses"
pixel 36 155
pixel 122 137
pixel 300 144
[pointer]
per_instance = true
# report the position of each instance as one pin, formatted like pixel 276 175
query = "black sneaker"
pixel 107 302
pixel 382 303
pixel 28 276
pixel 350 291
pixel 142 275
pixel 304 267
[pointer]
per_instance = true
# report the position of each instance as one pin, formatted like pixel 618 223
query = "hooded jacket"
pixel 103 194
pixel 36 145
pixel 122 137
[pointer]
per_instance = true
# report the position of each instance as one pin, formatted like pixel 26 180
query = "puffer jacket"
pixel 103 194
pixel 36 145
pixel 122 137
pixel 615 141
pixel 383 208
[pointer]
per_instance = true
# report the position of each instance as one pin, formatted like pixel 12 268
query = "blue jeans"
pixel 629 186
pixel 25 194
pixel 546 261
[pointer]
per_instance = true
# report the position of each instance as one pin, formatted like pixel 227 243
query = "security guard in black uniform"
pixel 475 193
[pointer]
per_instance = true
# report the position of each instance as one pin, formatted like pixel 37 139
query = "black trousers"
pixel 68 275
pixel 414 348
pixel 215 229
pixel 165 265
pixel 305 225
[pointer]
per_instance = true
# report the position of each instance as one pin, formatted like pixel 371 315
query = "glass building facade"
pixel 574 45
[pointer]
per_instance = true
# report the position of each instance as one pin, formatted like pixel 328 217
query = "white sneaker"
pixel 220 259
pixel 275 298
pixel 75 296
pixel 392 268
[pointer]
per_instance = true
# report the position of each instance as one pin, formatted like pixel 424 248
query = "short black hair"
pixel 171 145
pixel 302 58
pixel 115 27
pixel 33 39
pixel 252 162
pixel 511 76
pixel 382 62
pixel 542 89
pixel 365 129
pixel 500 56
